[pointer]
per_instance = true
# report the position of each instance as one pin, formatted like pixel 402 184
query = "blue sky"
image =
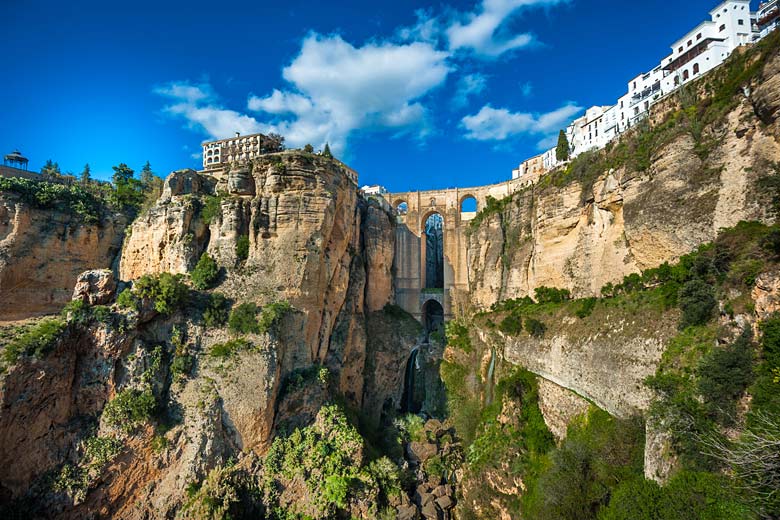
pixel 412 95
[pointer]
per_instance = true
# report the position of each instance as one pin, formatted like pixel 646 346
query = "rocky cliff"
pixel 144 400
pixel 43 250
pixel 653 196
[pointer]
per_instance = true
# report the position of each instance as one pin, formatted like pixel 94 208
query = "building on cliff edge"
pixel 702 49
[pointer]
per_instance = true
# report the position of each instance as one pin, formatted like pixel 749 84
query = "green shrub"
pixel 72 199
pixel 242 248
pixel 458 335
pixel 211 209
pixel 512 324
pixel 324 457
pixel 243 319
pixel 166 291
pixel 216 312
pixel 599 453
pixel 36 342
pixel 535 327
pixel 126 300
pixel 205 273
pixel 229 348
pixel 551 295
pixel 411 426
pixel 688 495
pixel 586 308
pixel 697 303
pixel 272 314
pixel 724 375
pixel 129 408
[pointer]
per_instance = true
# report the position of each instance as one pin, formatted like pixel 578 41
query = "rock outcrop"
pixel 42 252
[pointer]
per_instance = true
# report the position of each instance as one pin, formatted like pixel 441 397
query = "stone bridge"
pixel 413 292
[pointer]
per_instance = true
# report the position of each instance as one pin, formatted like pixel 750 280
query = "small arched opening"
pixel 434 251
pixel 401 207
pixel 468 207
pixel 433 316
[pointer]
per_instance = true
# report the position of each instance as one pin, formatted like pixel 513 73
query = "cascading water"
pixel 407 399
pixel 491 369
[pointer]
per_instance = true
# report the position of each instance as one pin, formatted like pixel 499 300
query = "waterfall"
pixel 407 400
pixel 491 369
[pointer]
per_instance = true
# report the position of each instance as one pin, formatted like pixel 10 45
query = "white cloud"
pixel 336 88
pixel 197 104
pixel 482 32
pixel 469 85
pixel 498 124
pixel 526 89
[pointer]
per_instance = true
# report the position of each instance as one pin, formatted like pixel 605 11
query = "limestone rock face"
pixel 766 294
pixel 559 407
pixel 167 238
pixel 580 238
pixel 95 287
pixel 42 252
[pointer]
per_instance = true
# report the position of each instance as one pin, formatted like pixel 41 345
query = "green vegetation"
pixel 551 295
pixel 166 292
pixel 458 335
pixel 492 206
pixel 216 312
pixel 73 199
pixel 242 248
pixel 586 307
pixel 512 324
pixel 326 151
pixel 130 408
pixel 205 273
pixel 599 453
pixel 37 342
pixel 697 303
pixel 80 312
pixel 97 452
pixel 301 378
pixel 562 150
pixel 229 348
pixel 272 315
pixel 183 361
pixel 211 208
pixel 688 495
pixel 243 319
pixel 325 457
pixel 535 327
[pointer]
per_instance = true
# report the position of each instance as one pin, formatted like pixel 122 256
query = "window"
pixel 698 36
pixel 676 80
pixel 741 22
pixel 685 75
pixel 695 68
pixel 622 116
pixel 635 84
pixel 722 28
pixel 621 104
pixel 690 42
pixel 680 49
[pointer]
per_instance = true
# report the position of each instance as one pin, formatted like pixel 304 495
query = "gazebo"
pixel 15 159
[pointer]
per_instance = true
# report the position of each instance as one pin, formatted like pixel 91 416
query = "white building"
pixel 768 17
pixel 237 149
pixel 374 190
pixel 706 46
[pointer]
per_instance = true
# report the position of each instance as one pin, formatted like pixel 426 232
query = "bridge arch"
pixel 432 315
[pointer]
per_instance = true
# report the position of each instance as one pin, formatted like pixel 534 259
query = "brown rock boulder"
pixel 95 287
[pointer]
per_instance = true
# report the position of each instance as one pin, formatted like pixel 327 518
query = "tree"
pixel 147 175
pixel 51 169
pixel 326 152
pixel 122 174
pixel 562 150
pixel 275 143
pixel 308 148
pixel 86 175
